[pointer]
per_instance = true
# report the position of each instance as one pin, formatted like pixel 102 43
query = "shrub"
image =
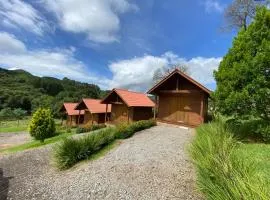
pixel 221 173
pixel 42 125
pixel 90 128
pixel 125 130
pixel 255 129
pixel 70 151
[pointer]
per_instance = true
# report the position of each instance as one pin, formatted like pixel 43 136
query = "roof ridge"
pixel 129 91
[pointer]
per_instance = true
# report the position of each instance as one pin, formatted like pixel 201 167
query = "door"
pixel 184 108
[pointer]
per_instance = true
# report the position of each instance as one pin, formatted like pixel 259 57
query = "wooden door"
pixel 184 108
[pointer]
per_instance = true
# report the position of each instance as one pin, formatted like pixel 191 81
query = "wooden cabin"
pixel 180 99
pixel 128 106
pixel 74 117
pixel 94 111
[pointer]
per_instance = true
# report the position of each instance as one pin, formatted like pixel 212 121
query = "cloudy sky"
pixel 113 43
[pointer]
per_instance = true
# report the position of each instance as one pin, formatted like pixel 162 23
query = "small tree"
pixel 161 73
pixel 6 113
pixel 42 125
pixel 19 114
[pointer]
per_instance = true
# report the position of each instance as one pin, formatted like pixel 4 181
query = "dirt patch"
pixel 13 139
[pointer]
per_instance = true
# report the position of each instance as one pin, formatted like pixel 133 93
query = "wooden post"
pixel 155 107
pixel 70 120
pixel 78 122
pixel 201 111
pixel 106 113
pixel 128 114
pixel 177 83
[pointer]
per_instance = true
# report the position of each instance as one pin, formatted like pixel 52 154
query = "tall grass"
pixel 71 150
pixel 221 173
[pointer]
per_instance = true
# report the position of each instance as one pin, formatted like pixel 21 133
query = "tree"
pixel 6 113
pixel 19 113
pixel 241 12
pixel 164 71
pixel 243 76
pixel 42 125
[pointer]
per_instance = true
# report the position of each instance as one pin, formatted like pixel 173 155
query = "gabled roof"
pixel 132 99
pixel 177 71
pixel 70 109
pixel 94 106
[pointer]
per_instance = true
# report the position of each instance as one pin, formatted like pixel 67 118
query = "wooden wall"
pixel 142 113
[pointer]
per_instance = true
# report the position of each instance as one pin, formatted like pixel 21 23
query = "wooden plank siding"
pixel 181 100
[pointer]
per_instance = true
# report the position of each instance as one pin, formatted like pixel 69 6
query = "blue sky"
pixel 113 43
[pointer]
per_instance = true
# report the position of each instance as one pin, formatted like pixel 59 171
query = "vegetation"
pixel 35 143
pixel 20 89
pixel 8 126
pixel 42 125
pixel 71 150
pixel 222 171
pixel 243 77
pixel 90 128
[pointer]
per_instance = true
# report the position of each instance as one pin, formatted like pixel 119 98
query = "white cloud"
pixel 98 19
pixel 57 63
pixel 19 14
pixel 213 6
pixel 9 44
pixel 137 73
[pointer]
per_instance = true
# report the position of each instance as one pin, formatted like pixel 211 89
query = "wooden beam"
pixel 177 83
pixel 180 91
pixel 106 113
pixel 128 114
pixel 155 107
pixel 116 103
pixel 201 111
pixel 78 122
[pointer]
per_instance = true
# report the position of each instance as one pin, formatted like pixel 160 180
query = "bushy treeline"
pixel 20 89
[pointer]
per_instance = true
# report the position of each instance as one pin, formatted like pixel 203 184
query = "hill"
pixel 20 89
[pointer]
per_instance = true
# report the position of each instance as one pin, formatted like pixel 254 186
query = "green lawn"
pixel 22 125
pixel 14 126
pixel 260 154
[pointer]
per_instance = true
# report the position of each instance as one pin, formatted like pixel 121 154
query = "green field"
pixel 260 155
pixel 14 126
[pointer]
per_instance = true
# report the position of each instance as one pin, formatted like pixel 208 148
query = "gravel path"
pixel 151 165
pixel 13 139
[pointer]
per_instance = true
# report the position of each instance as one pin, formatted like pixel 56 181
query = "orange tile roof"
pixel 95 106
pixel 134 99
pixel 70 109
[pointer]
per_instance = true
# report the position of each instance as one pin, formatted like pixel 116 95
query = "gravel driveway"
pixel 153 164
pixel 13 139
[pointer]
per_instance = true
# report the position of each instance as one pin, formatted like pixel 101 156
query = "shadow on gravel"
pixel 4 184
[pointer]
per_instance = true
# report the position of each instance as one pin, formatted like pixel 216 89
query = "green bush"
pixel 42 125
pixel 255 129
pixel 127 130
pixel 221 172
pixel 71 150
pixel 90 128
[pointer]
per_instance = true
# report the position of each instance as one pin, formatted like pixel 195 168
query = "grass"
pixel 73 150
pixel 225 170
pixel 13 126
pixel 260 155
